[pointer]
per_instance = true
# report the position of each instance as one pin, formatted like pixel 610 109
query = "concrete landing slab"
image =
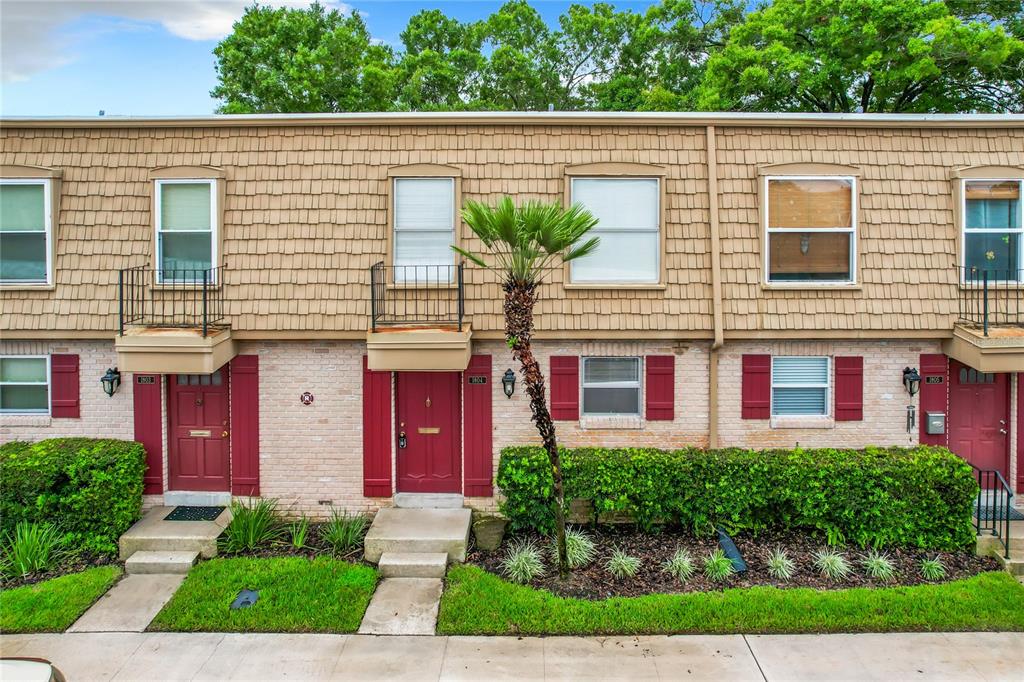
pixel 403 606
pixel 419 530
pixel 153 533
pixel 130 605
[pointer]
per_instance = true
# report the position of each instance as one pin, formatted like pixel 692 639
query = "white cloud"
pixel 34 33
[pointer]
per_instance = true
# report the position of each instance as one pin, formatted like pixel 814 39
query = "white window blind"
pixel 628 214
pixel 186 228
pixel 611 386
pixel 24 385
pixel 24 232
pixel 424 222
pixel 800 385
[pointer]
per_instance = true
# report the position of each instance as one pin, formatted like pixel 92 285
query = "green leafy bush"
pixel 33 547
pixel 919 497
pixel 252 525
pixel 91 489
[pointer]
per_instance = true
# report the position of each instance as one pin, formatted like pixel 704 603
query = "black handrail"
pixel 991 297
pixel 416 295
pixel 991 484
pixel 180 297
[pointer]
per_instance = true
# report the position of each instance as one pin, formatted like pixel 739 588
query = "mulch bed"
pixel 653 549
pixel 313 547
pixel 73 564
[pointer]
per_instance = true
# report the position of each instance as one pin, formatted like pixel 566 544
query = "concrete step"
pixel 160 562
pixel 444 531
pixel 1014 565
pixel 413 564
pixel 152 533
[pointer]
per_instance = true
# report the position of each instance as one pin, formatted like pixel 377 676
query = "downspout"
pixel 716 286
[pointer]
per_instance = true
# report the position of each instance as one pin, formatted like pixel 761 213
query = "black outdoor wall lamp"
pixel 911 380
pixel 508 383
pixel 111 380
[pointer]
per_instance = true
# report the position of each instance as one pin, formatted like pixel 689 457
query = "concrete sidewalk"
pixel 156 656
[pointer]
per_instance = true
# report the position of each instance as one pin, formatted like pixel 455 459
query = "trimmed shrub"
pixel 918 497
pixel 89 488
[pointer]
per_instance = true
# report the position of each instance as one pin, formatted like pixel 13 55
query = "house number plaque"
pixel 934 380
pixel 478 380
pixel 145 380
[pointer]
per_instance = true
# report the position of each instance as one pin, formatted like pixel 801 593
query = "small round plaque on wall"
pixel 306 398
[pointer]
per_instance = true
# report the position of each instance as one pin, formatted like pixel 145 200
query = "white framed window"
pixel 801 386
pixel 186 229
pixel 993 229
pixel 424 229
pixel 25 384
pixel 628 211
pixel 810 230
pixel 26 229
pixel 611 386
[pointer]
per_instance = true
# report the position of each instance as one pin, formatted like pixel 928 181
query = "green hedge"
pixel 89 488
pixel 919 497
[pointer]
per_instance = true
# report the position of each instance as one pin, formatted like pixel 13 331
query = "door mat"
pixel 989 513
pixel 194 514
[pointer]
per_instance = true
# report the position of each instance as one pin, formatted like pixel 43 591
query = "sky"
pixel 155 57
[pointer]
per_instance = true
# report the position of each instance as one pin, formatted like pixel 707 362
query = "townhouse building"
pixel 272 306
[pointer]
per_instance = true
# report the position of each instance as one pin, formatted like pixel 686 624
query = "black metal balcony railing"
pixel 416 295
pixel 991 297
pixel 170 298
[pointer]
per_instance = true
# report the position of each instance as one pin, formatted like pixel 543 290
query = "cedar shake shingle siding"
pixel 306 214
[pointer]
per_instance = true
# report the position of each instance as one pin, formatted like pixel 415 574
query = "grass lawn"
pixel 296 595
pixel 53 605
pixel 479 603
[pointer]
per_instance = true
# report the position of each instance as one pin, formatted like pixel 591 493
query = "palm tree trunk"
pixel 520 298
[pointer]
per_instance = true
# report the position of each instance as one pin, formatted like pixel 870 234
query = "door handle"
pixel 1002 431
pixel 223 434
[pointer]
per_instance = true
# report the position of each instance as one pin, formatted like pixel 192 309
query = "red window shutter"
pixel 146 403
pixel 245 425
pixel 477 430
pixel 757 387
pixel 934 396
pixel 565 387
pixel 661 384
pixel 64 398
pixel 849 389
pixel 376 432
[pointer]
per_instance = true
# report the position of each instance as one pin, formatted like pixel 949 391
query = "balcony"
pixel 417 318
pixel 172 321
pixel 989 332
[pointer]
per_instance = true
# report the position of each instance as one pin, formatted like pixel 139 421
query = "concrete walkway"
pixel 130 605
pixel 156 656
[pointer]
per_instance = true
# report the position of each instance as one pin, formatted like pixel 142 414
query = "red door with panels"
pixel 199 432
pixel 428 421
pixel 979 413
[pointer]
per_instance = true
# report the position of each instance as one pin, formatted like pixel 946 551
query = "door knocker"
pixel 199 402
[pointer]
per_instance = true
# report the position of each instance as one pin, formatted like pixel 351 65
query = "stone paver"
pixel 403 606
pixel 130 605
pixel 84 657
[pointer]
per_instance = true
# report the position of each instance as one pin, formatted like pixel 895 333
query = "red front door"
pixel 198 432
pixel 979 409
pixel 429 421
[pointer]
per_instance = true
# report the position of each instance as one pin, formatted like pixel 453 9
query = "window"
pixel 25 384
pixel 811 230
pixel 993 229
pixel 186 227
pixel 424 223
pixel 214 379
pixel 628 214
pixel 800 386
pixel 611 386
pixel 25 229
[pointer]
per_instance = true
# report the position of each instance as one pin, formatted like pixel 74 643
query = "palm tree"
pixel 524 241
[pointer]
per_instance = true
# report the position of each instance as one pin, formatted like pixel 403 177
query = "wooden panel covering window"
pixel 810 229
pixel 756 390
pixel 993 189
pixel 64 400
pixel 849 388
pixel 801 203
pixel 565 387
pixel 660 390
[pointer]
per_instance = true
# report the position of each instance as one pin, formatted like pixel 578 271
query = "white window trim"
pixel 597 230
pixel 827 386
pixel 638 385
pixel 49 386
pixel 48 230
pixel 395 229
pixel 852 230
pixel 964 231
pixel 214 230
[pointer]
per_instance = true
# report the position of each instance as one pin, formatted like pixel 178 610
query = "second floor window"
pixel 186 229
pixel 424 229
pixel 628 214
pixel 811 230
pixel 993 229
pixel 25 229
